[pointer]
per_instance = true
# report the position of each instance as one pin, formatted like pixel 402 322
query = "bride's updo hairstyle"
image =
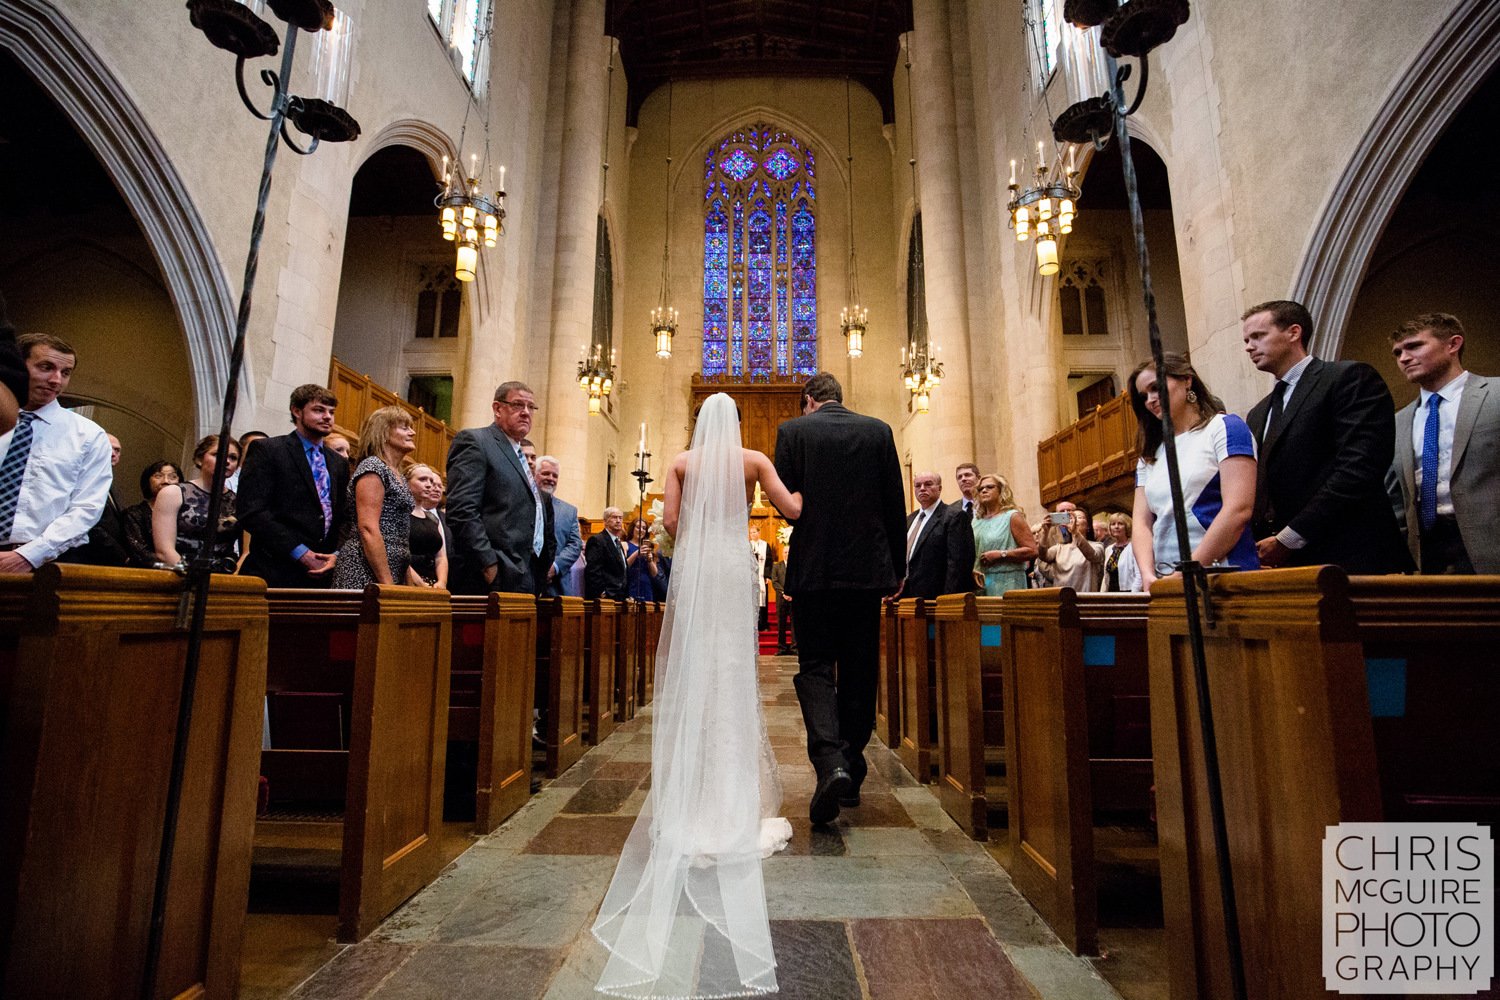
pixel 697 410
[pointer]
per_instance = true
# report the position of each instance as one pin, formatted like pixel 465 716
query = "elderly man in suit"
pixel 1447 471
pixel 850 554
pixel 1327 434
pixel 502 522
pixel 294 497
pixel 605 567
pixel 939 543
pixel 565 520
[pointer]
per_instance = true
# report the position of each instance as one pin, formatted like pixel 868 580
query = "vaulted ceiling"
pixel 663 40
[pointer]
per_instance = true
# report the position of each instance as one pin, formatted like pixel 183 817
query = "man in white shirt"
pixel 54 466
pixel 1447 491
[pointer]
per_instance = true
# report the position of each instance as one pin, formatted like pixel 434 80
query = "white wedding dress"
pixel 685 915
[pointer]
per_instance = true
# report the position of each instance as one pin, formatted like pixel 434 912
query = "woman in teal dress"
pixel 1003 543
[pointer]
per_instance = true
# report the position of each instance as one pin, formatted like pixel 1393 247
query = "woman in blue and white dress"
pixel 1216 457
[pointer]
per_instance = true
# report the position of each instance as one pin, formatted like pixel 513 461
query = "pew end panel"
pixel 503 627
pixel 559 680
pixel 918 715
pixel 888 683
pixel 85 758
pixel 961 774
pixel 992 694
pixel 627 660
pixel 601 639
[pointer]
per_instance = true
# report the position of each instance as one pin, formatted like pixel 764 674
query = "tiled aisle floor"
pixel 893 901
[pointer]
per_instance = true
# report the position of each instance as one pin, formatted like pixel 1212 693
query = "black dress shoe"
pixel 851 800
pixel 831 790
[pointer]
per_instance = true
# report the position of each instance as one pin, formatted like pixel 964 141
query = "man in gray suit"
pixel 1446 476
pixel 565 517
pixel 502 522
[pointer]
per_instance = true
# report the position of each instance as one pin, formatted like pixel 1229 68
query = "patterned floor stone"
pixel 440 972
pixel 935 960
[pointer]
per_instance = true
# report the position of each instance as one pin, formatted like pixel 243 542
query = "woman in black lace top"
pixel 179 514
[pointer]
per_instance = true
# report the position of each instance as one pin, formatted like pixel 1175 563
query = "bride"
pixel 685 915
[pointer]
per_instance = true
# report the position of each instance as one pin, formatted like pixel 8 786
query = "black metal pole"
pixel 1194 578
pixel 200 571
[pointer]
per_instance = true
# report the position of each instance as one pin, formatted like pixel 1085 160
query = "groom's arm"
pixel 789 459
pixel 892 500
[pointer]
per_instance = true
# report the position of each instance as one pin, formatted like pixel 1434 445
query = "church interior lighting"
pixel 664 317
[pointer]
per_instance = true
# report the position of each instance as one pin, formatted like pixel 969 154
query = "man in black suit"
pixel 502 528
pixel 850 554
pixel 1326 436
pixel 939 543
pixel 604 566
pixel 967 477
pixel 293 497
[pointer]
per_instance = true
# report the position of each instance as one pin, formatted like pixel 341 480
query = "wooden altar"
pixel 763 405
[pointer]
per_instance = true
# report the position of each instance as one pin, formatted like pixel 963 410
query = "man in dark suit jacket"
pixel 850 553
pixel 1326 435
pixel 565 527
pixel 502 525
pixel 940 553
pixel 295 522
pixel 604 568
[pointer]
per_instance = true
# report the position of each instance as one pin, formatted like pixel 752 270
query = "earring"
pixel 1192 396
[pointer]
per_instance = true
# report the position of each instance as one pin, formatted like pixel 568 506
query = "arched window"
pixel 760 265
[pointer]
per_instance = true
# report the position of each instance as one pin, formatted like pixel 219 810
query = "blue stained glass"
pixel 715 283
pixel 737 309
pixel 738 164
pixel 781 165
pixel 804 291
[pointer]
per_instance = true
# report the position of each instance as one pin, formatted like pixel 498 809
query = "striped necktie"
pixel 12 471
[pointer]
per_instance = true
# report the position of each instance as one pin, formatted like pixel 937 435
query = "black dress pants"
pixel 838 653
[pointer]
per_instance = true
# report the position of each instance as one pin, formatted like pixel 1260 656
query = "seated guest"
pixel 1120 571
pixel 1216 458
pixel 1003 542
pixel 54 465
pixel 293 497
pixel 139 544
pixel 939 543
pixel 429 554
pixel 1066 554
pixel 565 527
pixel 604 574
pixel 646 578
pixel 179 514
pixel 338 444
pixel 106 545
pixel 378 549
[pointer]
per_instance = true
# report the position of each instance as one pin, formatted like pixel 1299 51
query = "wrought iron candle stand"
pixel 237 28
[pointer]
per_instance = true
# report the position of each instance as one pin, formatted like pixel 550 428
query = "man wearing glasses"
pixel 502 526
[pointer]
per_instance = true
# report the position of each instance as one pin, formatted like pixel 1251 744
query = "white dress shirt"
pixel 1286 536
pixel 1452 393
pixel 914 533
pixel 66 485
pixel 538 526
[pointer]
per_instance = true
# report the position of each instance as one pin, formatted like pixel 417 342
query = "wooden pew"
pixel 491 697
pixel 888 685
pixel 559 680
pixel 627 659
pixel 601 637
pixel 650 638
pixel 1074 672
pixel 960 708
pixel 92 660
pixel 917 747
pixel 1334 700
pixel 358 688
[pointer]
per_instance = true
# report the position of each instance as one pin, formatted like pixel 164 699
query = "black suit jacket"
pixel 278 505
pixel 943 560
pixel 852 534
pixel 106 545
pixel 604 567
pixel 492 513
pixel 1322 470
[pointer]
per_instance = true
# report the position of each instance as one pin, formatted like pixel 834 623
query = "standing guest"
pixel 338 444
pixel 139 543
pixel 54 465
pixel 1326 437
pixel 107 545
pixel 379 550
pixel 565 529
pixel 246 440
pixel 783 605
pixel 1447 468
pixel 1066 554
pixel 646 575
pixel 967 477
pixel 1216 462
pixel 179 514
pixel 429 554
pixel 765 558
pixel 939 543
pixel 604 574
pixel 293 497
pixel 1121 575
pixel 851 554
pixel 503 530
pixel 1003 541
pixel 528 452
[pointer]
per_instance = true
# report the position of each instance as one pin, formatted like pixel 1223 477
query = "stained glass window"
pixel 464 24
pixel 760 271
pixel 1047 35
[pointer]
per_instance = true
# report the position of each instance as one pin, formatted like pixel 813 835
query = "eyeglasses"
pixel 530 407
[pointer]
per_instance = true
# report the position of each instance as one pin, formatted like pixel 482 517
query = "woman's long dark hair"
pixel 1148 434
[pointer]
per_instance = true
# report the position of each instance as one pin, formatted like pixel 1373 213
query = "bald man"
pixel 939 543
pixel 604 559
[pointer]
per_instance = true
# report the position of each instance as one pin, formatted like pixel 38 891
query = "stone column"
pixel 564 427
pixel 940 197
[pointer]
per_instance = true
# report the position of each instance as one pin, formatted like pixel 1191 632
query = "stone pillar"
pixel 940 197
pixel 564 427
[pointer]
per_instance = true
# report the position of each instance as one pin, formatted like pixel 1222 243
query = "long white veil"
pixel 685 915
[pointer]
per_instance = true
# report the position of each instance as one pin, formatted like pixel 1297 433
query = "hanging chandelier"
pixel 854 318
pixel 664 317
pixel 922 372
pixel 1044 210
pixel 596 363
pixel 596 376
pixel 469 217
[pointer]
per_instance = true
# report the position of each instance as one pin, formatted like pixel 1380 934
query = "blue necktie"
pixel 325 487
pixel 13 471
pixel 1427 509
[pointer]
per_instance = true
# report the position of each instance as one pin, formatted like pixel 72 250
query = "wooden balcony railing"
pixel 359 396
pixel 1092 458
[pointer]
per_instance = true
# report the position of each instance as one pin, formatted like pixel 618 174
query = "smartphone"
pixel 1061 518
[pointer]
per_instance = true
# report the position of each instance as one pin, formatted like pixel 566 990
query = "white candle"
pixel 502 177
pixel 643 442
pixel 1070 161
pixel 1040 155
pixel 474 162
pixel 1012 173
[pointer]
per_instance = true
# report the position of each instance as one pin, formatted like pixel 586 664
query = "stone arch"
pixel 1429 91
pixel 64 64
pixel 426 138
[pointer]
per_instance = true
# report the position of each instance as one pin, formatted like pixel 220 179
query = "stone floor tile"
pixel 600 796
pixel 877 809
pixel 832 888
pixel 814 961
pixel 581 771
pixel 922 809
pixel 582 835
pixel 528 821
pixel 1057 972
pixel 579 972
pixel 638 750
pixel 357 972
pixel 534 901
pixel 458 972
pixel 885 842
pixel 937 959
pixel 626 770
pixel 808 840
pixel 419 918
